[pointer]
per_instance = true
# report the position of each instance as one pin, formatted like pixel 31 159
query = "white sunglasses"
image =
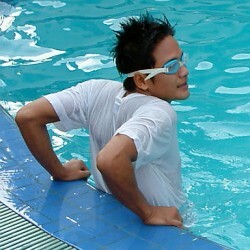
pixel 171 67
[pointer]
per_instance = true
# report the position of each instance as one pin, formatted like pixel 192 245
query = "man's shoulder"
pixel 156 107
pixel 100 82
pixel 154 102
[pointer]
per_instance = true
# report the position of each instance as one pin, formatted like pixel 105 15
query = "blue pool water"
pixel 46 46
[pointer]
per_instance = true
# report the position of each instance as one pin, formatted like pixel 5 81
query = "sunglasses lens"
pixel 172 66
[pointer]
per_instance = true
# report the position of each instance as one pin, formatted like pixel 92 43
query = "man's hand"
pixel 74 170
pixel 164 216
pixel 115 164
pixel 32 120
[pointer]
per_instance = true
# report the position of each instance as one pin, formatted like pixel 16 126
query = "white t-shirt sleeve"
pixel 71 106
pixel 151 128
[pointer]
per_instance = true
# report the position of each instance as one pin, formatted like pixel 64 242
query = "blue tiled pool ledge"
pixel 74 211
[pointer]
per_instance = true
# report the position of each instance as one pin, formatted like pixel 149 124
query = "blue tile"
pixel 111 237
pixel 89 245
pixel 5 158
pixel 182 242
pixel 204 244
pixel 57 211
pixel 87 200
pixel 106 207
pixel 67 191
pixel 10 200
pixel 82 216
pixel 51 227
pixel 121 217
pixel 48 200
pixel 17 180
pixel 152 233
pixel 36 217
pixel 42 177
pixel 75 236
pixel 30 192
pixel 133 243
pixel 96 226
pixel 60 224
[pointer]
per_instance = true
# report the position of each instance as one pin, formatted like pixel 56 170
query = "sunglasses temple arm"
pixel 155 72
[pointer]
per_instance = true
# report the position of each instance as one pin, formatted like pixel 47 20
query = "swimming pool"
pixel 46 46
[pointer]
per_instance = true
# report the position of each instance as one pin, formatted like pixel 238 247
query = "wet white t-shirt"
pixel 99 106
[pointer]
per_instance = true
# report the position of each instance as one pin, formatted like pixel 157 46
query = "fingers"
pixel 177 223
pixel 75 170
pixel 85 174
pixel 84 167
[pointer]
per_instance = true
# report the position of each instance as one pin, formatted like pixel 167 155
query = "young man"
pixel 132 128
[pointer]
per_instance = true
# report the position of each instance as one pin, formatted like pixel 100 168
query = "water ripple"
pixel 87 63
pixel 233 91
pixel 205 65
pixel 24 52
pixel 241 56
pixel 54 4
pixel 243 109
pixel 237 70
pixel 224 130
pixel 114 24
pixel 2 83
pixel 7 15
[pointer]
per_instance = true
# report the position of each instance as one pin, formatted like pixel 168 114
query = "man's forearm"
pixel 115 165
pixel 38 142
pixel 121 182
pixel 32 120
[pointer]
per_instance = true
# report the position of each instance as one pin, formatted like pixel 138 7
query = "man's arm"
pixel 31 120
pixel 115 164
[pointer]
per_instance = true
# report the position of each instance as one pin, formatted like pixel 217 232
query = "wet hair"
pixel 135 43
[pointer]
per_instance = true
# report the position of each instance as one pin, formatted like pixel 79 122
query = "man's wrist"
pixel 146 213
pixel 60 173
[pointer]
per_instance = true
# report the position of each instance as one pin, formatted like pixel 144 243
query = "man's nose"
pixel 183 71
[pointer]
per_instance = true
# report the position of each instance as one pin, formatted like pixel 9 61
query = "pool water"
pixel 46 46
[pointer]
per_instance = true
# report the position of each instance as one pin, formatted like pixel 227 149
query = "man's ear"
pixel 140 82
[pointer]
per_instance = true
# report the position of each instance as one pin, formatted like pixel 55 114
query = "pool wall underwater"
pixel 74 211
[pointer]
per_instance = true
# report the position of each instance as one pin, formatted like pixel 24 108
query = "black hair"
pixel 135 43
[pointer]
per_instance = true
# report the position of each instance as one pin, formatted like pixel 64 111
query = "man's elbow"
pixel 24 116
pixel 104 164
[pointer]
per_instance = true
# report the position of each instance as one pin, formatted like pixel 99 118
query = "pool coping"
pixel 75 212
